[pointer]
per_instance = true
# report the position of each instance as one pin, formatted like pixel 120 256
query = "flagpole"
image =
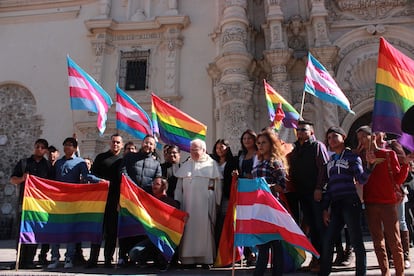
pixel 233 270
pixel 19 246
pixel 302 104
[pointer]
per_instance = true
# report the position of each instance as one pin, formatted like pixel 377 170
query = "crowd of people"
pixel 326 187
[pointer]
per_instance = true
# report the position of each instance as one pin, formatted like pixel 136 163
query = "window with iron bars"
pixel 134 70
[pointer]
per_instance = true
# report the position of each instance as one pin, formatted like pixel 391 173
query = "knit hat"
pixel 365 129
pixel 338 130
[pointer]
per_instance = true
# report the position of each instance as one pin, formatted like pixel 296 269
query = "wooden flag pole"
pixel 302 105
pixel 19 245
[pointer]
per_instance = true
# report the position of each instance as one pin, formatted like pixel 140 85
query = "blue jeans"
pixel 263 258
pixel 70 251
pixel 401 216
pixel 345 211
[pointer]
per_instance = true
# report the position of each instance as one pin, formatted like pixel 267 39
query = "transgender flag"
pixel 394 92
pixel 320 84
pixel 260 218
pixel 130 117
pixel 87 94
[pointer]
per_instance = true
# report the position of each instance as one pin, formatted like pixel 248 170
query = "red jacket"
pixel 380 187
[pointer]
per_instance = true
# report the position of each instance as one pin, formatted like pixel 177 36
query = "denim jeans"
pixel 401 216
pixel 263 258
pixel 312 216
pixel 70 251
pixel 345 211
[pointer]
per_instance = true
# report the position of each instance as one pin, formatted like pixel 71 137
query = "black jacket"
pixel 142 168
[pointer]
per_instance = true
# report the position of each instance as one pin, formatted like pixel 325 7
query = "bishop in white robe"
pixel 199 191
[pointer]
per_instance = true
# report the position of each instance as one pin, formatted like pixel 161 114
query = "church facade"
pixel 208 58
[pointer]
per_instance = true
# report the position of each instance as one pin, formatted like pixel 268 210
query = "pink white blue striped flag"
pixel 130 117
pixel 260 218
pixel 87 94
pixel 320 84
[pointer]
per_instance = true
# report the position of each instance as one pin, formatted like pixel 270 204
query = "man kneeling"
pixel 145 251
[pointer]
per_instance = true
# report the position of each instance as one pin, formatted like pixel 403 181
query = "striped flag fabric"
pixel 320 84
pixel 87 94
pixel 141 213
pixel 57 212
pixel 131 117
pixel 276 104
pixel 226 243
pixel 174 126
pixel 260 218
pixel 394 92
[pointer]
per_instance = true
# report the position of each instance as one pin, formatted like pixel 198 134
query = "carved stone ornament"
pixel 369 9
pixel 234 34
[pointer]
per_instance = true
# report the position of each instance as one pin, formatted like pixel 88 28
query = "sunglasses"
pixel 302 129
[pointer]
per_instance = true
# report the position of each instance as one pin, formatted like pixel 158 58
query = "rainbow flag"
pixel 141 213
pixel 87 94
pixel 274 100
pixel 174 126
pixel 320 84
pixel 130 117
pixel 57 212
pixel 260 218
pixel 394 92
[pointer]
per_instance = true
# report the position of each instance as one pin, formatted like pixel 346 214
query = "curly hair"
pixel 277 152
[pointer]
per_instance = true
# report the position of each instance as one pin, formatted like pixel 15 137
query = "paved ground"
pixel 8 254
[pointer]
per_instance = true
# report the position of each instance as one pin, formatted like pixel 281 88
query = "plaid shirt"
pixel 274 173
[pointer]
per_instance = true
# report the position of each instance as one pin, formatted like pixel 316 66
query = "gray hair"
pixel 200 143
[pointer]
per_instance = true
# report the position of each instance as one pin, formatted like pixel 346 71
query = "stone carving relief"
pixel 236 117
pixel 104 9
pixel 296 40
pixel 364 9
pixel 234 34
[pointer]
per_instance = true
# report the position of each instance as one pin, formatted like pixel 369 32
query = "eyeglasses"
pixel 302 129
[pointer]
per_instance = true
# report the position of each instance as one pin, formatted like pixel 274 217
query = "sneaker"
pixel 68 263
pixel 54 264
pixel 121 262
pixel 407 264
pixel 348 258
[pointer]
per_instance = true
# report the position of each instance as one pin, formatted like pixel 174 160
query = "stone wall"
pixel 20 127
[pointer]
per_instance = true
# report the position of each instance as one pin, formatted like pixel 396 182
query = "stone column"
pixel 323 50
pixel 277 56
pixel 234 110
pixel 173 45
pixel 276 35
pixel 318 17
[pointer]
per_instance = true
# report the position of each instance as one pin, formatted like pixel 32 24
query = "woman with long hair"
pixel 271 165
pixel 223 155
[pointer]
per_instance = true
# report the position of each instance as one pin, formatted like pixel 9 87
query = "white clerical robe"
pixel 199 191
